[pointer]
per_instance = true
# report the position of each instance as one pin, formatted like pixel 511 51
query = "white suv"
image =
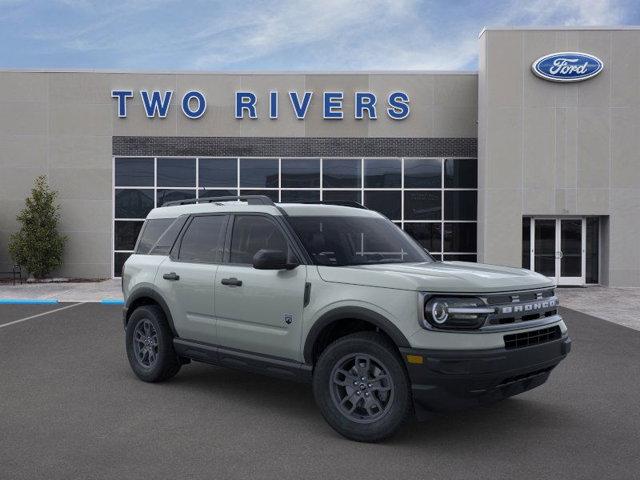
pixel 338 296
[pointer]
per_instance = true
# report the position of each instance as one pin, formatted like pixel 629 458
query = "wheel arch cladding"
pixel 148 296
pixel 354 315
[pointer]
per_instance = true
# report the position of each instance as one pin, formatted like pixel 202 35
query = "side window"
pixel 252 233
pixel 168 238
pixel 203 241
pixel 151 232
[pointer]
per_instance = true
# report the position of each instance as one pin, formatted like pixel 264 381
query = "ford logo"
pixel 567 67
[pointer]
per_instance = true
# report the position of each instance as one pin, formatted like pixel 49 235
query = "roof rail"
pixel 250 199
pixel 341 203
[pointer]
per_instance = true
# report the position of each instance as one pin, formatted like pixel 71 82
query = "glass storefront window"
pixel 460 205
pixel 460 173
pixel 425 205
pixel 134 172
pixel 382 173
pixel 341 173
pixel 259 172
pixel 441 216
pixel 422 173
pixel 385 202
pixel 593 249
pixel 217 172
pixel 176 172
pixel 300 173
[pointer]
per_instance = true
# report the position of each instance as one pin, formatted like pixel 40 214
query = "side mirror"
pixel 272 260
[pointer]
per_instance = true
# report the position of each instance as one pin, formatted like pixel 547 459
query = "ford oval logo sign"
pixel 567 66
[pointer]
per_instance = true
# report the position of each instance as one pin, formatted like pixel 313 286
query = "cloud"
pixel 286 34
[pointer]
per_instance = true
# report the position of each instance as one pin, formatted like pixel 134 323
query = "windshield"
pixel 342 241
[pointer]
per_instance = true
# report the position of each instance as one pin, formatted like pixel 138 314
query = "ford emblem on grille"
pixel 567 66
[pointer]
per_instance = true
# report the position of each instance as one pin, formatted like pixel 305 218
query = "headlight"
pixel 455 312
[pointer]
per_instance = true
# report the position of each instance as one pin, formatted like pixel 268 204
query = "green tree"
pixel 37 246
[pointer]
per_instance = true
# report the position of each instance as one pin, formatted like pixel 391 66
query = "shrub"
pixel 37 246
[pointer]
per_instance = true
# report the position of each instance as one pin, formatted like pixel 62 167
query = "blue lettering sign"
pixel 398 105
pixel 246 101
pixel 186 104
pixel 122 96
pixel 365 101
pixel 156 105
pixel 273 105
pixel 332 105
pixel 300 108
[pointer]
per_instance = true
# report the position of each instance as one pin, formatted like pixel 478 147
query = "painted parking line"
pixel 20 320
pixel 28 301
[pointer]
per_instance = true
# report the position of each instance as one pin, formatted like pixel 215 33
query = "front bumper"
pixel 453 379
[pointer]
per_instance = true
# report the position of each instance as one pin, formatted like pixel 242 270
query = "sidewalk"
pixel 106 291
pixel 614 304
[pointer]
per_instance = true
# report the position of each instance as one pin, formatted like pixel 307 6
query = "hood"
pixel 444 277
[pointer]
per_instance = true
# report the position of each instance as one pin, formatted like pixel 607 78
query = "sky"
pixel 237 35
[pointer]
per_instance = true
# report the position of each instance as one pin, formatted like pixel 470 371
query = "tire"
pixel 152 357
pixel 382 406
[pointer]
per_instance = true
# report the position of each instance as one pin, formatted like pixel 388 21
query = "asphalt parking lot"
pixel 70 408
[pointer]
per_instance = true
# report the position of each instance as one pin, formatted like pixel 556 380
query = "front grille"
pixel 534 337
pixel 522 306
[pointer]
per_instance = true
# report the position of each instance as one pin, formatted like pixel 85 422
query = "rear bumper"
pixel 453 379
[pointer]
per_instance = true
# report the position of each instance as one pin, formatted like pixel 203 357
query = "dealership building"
pixel 533 160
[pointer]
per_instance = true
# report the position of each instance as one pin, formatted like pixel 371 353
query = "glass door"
pixel 558 249
pixel 571 249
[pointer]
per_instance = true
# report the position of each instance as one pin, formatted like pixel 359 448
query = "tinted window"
pixel 203 240
pixel 460 237
pixel 341 173
pixel 342 196
pixel 134 172
pixel 168 238
pixel 460 205
pixel 297 196
pixel 118 261
pixel 340 241
pixel 461 173
pixel 218 172
pixel 151 233
pixel 593 240
pixel 382 173
pixel 387 203
pixel 126 234
pixel 252 233
pixel 460 258
pixel 426 234
pixel 272 194
pixel 133 203
pixel 422 173
pixel 526 242
pixel 164 195
pixel 300 173
pixel 176 172
pixel 422 205
pixel 259 172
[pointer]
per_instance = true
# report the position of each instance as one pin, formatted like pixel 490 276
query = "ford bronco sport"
pixel 338 296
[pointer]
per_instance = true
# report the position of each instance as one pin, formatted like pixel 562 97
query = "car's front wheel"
pixel 150 345
pixel 362 388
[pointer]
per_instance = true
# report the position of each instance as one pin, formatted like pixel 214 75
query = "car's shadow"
pixel 464 428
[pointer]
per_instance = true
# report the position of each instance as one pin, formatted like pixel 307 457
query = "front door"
pixel 558 249
pixel 259 311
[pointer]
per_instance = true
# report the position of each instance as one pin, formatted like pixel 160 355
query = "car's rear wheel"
pixel 362 388
pixel 150 345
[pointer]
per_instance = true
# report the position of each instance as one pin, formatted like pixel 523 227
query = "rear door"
pixel 186 278
pixel 259 311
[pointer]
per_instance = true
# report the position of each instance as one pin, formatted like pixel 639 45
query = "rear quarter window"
pixel 151 232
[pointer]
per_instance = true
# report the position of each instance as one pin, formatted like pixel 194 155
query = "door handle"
pixel 232 282
pixel 171 276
